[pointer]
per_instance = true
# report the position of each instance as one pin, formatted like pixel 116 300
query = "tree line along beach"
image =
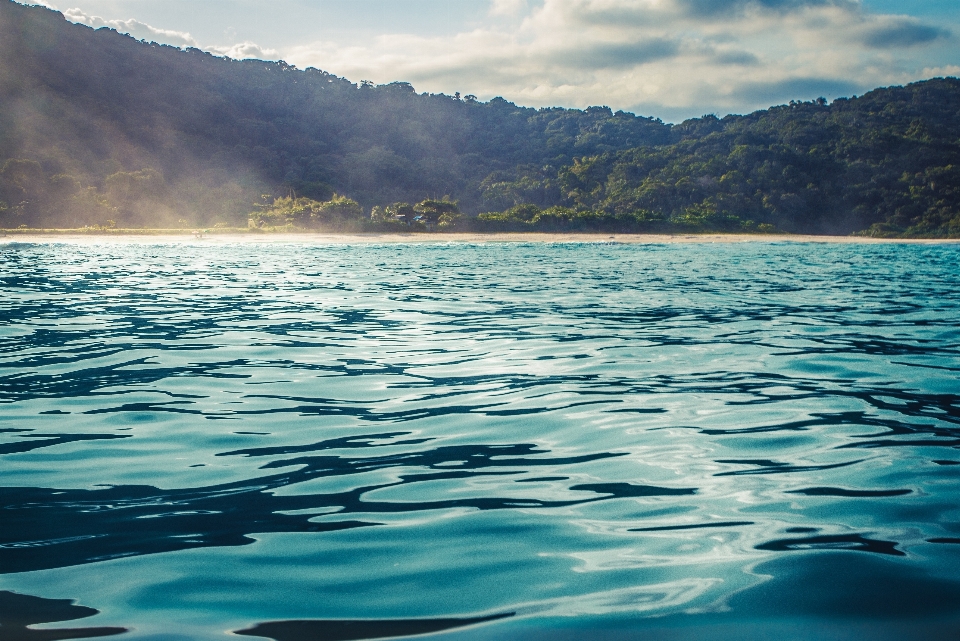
pixel 101 131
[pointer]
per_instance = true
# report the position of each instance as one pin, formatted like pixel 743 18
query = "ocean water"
pixel 479 441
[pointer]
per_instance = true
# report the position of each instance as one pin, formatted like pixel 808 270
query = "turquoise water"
pixel 480 441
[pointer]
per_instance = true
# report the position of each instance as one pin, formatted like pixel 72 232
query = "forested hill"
pixel 95 125
pixel 887 163
pixel 220 132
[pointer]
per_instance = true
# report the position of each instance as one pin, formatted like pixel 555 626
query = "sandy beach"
pixel 153 237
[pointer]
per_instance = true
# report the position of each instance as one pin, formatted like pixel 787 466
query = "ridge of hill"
pixel 98 126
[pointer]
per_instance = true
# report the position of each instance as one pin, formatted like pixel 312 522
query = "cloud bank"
pixel 144 31
pixel 670 58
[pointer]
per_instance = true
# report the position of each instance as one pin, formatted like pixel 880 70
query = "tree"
pixel 432 210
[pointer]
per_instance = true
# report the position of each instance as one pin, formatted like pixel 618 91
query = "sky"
pixel 670 59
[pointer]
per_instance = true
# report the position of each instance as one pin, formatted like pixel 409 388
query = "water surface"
pixel 480 441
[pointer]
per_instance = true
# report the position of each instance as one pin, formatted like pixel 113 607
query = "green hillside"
pixel 888 162
pixel 96 126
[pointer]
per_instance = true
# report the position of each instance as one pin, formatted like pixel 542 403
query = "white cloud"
pixel 245 50
pixel 135 28
pixel 673 58
pixel 143 31
pixel 507 7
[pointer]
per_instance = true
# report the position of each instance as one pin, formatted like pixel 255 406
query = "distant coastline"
pixel 233 143
pixel 243 235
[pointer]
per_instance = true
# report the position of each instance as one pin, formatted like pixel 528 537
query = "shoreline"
pixel 328 238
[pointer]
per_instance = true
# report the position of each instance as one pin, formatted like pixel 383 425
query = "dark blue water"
pixel 490 441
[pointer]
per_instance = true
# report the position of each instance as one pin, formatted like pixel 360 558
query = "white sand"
pixel 521 237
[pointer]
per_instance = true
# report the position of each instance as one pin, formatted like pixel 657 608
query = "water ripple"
pixel 347 440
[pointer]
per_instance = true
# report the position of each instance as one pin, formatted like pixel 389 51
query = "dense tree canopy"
pixel 888 162
pixel 97 127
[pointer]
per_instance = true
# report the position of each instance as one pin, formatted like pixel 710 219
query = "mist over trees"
pixel 97 128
